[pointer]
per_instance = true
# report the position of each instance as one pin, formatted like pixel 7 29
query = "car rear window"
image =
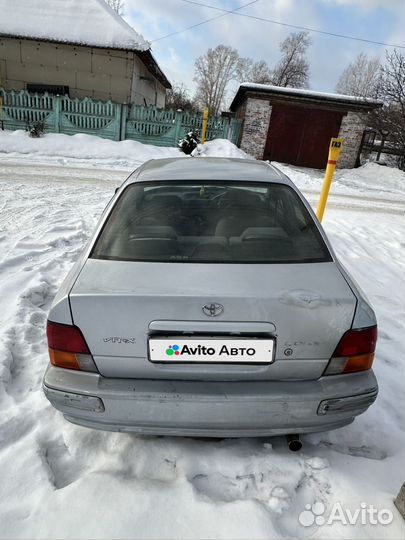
pixel 211 222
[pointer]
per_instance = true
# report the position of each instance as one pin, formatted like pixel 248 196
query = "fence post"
pixel 234 130
pixel 123 126
pixel 57 109
pixel 177 129
pixel 1 108
pixel 117 121
pixel 226 128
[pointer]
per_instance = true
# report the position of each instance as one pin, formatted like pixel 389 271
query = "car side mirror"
pixel 116 189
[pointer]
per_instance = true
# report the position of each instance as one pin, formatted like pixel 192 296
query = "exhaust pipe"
pixel 294 443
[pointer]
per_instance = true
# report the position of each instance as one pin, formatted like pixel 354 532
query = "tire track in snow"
pixel 44 228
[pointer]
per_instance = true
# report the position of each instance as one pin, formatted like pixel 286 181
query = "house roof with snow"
pixel 304 96
pixel 89 23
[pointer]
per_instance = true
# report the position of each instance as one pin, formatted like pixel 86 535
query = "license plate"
pixel 222 351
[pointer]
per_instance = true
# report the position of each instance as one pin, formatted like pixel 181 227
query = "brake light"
pixel 355 352
pixel 66 338
pixel 357 342
pixel 68 348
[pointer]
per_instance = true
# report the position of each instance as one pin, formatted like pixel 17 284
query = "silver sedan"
pixel 209 302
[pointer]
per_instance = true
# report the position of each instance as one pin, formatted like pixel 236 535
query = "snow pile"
pixel 82 22
pixel 62 481
pixel 126 154
pixel 220 148
pixel 98 151
pixel 369 180
pixel 374 176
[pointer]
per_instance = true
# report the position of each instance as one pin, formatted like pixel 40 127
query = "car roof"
pixel 206 168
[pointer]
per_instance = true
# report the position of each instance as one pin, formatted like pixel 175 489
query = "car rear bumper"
pixel 212 409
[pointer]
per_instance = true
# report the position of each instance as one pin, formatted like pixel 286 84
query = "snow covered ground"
pixel 63 481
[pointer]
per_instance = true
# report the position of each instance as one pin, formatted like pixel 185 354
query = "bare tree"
pixel 392 84
pixel 255 72
pixel 361 77
pixel 178 97
pixel 293 67
pixel 213 71
pixel 390 120
pixel 117 5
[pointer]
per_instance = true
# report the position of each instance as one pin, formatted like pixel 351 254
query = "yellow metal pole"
pixel 204 125
pixel 335 149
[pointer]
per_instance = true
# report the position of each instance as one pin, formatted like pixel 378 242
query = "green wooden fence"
pixel 150 125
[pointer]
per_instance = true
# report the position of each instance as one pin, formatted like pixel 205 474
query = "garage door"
pixel 301 136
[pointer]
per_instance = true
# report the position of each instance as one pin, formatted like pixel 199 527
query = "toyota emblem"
pixel 213 309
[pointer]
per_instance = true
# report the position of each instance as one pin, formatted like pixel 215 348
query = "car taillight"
pixel 355 352
pixel 68 348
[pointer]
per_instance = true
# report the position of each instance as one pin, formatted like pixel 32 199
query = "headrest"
pixel 241 198
pixel 163 201
pixel 254 233
pixel 152 231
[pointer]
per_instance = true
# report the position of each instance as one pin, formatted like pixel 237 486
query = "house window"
pixel 50 88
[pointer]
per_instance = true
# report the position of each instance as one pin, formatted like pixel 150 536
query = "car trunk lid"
pixel 119 306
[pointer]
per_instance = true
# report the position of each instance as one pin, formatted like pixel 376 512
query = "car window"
pixel 210 222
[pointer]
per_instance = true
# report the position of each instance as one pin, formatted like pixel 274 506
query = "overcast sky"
pixel 378 20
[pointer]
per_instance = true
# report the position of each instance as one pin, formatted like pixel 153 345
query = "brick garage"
pixel 295 126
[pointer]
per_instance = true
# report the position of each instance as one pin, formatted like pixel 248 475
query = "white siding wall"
pixel 88 72
pixel 146 90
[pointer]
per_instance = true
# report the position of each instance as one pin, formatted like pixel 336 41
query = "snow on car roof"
pixel 205 169
pixel 82 22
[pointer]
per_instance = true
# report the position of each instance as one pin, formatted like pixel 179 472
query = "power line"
pixel 226 12
pixel 296 27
